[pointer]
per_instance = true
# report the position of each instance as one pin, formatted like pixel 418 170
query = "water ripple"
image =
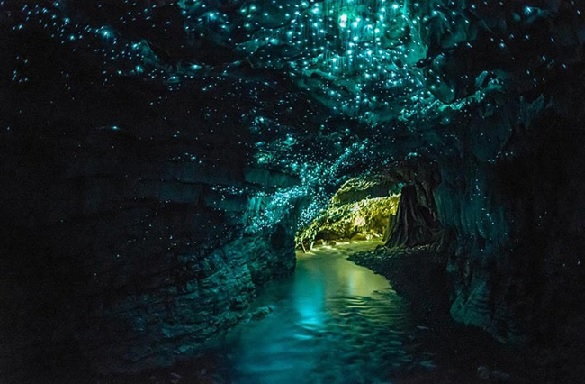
pixel 332 322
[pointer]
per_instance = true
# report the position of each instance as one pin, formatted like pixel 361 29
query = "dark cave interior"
pixel 162 160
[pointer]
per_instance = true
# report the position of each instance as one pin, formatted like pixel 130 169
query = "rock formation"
pixel 362 209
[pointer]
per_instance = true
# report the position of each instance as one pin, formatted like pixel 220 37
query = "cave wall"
pixel 503 143
pixel 133 230
pixel 507 177
pixel 519 235
pixel 129 253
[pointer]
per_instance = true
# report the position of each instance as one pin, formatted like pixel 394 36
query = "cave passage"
pixel 330 322
pixel 161 161
pixel 363 208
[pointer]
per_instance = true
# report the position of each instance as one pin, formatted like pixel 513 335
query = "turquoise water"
pixel 330 322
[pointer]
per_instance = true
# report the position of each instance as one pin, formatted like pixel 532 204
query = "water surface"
pixel 331 322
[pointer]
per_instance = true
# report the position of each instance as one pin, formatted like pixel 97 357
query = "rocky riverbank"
pixel 463 354
pixel 414 272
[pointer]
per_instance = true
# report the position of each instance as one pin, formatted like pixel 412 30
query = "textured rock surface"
pixel 362 220
pixel 360 210
pixel 135 263
pixel 361 188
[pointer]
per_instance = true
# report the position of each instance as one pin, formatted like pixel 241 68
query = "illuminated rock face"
pixel 142 142
pixel 362 209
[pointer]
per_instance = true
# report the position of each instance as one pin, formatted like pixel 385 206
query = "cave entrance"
pixel 397 208
pixel 362 209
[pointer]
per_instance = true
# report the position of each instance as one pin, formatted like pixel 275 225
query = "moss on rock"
pixel 361 220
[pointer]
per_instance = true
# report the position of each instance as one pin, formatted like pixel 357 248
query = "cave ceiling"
pixel 319 89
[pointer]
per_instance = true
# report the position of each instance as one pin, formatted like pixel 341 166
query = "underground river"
pixel 331 321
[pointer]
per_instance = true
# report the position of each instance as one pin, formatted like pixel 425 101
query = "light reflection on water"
pixel 332 322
